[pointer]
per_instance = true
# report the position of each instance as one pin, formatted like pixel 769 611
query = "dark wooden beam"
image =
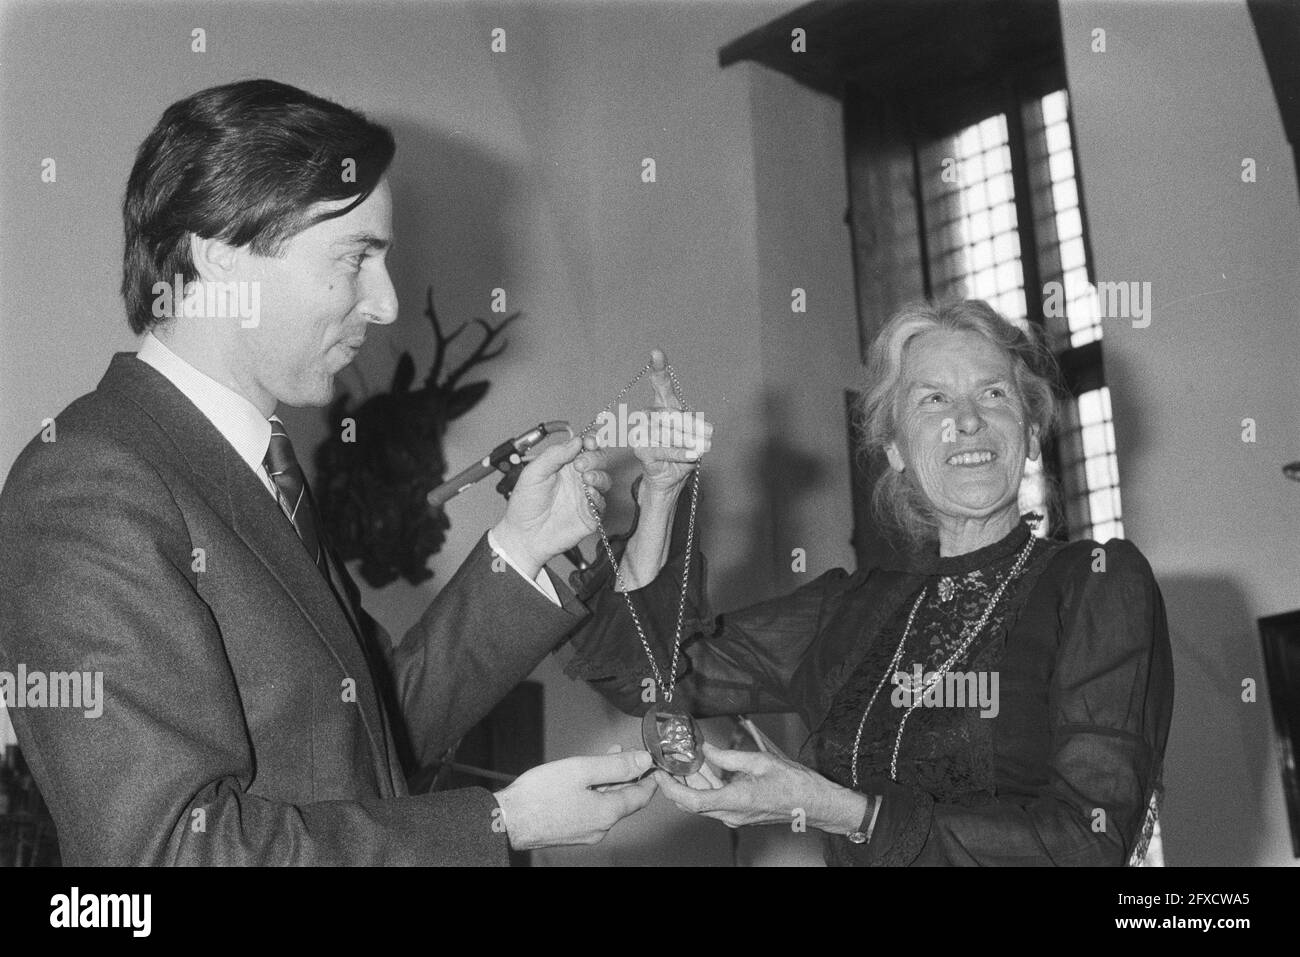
pixel 1082 369
pixel 1277 25
pixel 903 46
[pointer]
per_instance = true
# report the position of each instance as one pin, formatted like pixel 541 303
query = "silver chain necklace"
pixel 672 736
pixel 971 631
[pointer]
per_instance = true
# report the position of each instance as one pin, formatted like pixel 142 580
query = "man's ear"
pixel 213 260
pixel 1035 446
pixel 895 457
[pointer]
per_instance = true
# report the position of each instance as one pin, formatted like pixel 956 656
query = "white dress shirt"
pixel 249 432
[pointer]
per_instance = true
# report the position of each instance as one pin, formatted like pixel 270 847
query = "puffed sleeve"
pixel 1110 699
pixel 736 663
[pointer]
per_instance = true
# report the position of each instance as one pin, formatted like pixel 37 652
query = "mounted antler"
pixel 373 491
pixel 482 352
pixel 440 342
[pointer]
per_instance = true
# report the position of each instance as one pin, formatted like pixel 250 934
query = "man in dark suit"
pixel 166 537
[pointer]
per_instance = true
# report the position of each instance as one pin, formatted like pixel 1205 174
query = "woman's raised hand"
pixel 668 441
pixel 675 438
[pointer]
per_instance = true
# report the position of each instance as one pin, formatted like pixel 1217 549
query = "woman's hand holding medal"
pixel 764 788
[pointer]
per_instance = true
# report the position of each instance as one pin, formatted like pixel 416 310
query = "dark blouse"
pixel 1054 755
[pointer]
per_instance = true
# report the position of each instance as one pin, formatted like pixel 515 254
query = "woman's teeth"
pixel 971 458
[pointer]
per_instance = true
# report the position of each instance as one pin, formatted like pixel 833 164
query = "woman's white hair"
pixel 897 502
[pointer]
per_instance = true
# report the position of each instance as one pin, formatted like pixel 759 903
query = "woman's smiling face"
pixel 961 428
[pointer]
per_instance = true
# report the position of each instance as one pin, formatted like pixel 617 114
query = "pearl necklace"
pixel 970 634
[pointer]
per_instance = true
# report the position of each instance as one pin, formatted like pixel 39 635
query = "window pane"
pixel 1054 195
pixel 1090 472
pixel 1054 107
pixel 973 243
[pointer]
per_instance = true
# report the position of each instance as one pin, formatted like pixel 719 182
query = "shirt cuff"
pixel 542 582
pixel 869 821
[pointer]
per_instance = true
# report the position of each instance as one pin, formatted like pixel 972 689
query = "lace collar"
pixel 930 563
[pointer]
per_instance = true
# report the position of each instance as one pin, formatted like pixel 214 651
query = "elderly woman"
pixel 996 699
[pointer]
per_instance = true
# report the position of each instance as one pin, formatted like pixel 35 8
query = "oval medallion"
pixel 674 740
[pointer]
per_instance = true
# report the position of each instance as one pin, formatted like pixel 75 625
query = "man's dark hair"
pixel 242 163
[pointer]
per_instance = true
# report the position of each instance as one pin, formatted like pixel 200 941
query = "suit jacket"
pixel 243 720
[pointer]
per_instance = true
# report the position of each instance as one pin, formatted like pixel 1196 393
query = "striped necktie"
pixel 293 494
pixel 297 504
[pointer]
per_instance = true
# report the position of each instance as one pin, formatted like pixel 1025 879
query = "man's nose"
pixel 379 301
